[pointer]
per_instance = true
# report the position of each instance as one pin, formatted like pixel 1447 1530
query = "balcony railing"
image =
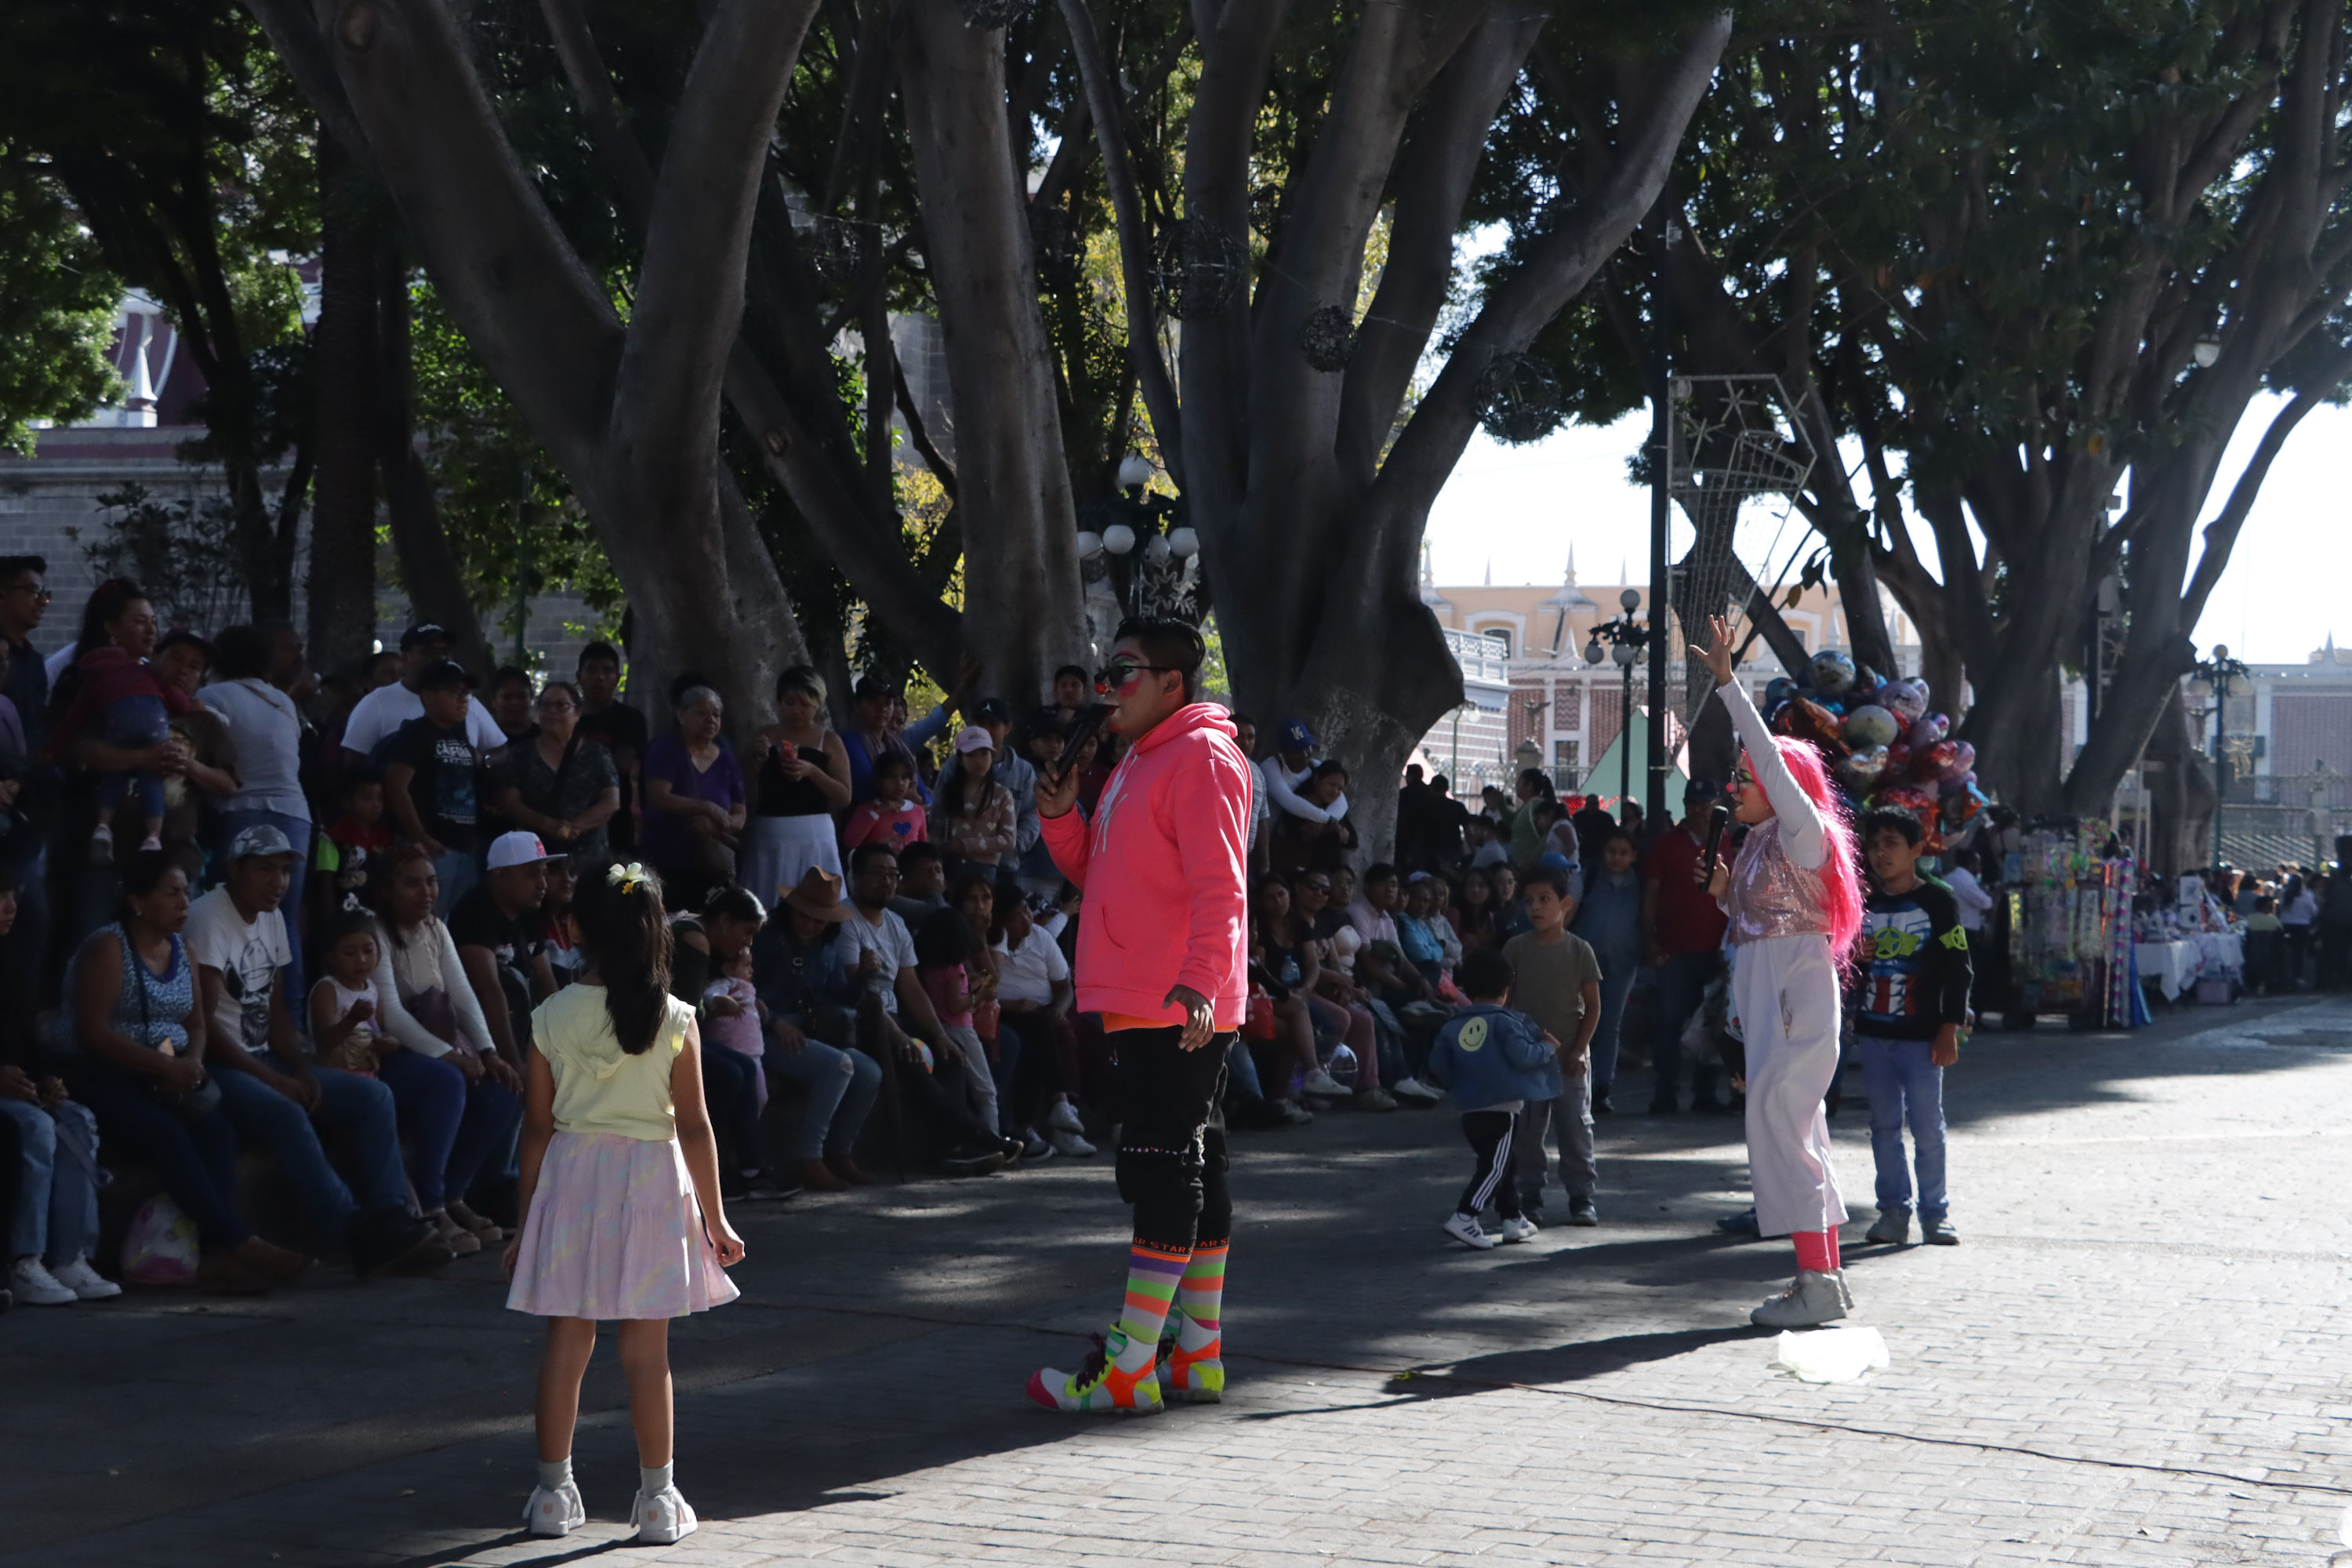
pixel 1482 658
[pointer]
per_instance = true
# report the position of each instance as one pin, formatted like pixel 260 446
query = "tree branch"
pixel 624 160
pixel 293 31
pixel 921 438
pixel 2222 534
pixel 1134 241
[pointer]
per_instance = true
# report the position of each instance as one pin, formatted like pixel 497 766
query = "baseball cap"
pixel 972 738
pixel 517 849
pixel 1294 736
pixel 992 712
pixel 1553 860
pixel 259 839
pixel 444 675
pixel 1702 789
pixel 423 631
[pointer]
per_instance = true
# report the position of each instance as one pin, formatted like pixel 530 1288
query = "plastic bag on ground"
pixel 1830 1355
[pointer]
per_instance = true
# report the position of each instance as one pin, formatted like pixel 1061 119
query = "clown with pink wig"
pixel 1794 895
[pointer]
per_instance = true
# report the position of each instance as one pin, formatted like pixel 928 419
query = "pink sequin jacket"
pixel 1776 883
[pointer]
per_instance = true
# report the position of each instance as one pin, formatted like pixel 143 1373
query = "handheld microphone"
pixel 1716 820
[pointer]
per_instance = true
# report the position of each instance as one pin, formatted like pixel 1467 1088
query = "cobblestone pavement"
pixel 2133 1358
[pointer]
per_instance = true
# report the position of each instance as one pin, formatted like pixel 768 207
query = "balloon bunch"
pixel 1884 746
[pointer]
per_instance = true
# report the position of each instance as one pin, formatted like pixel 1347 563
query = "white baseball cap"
pixel 517 849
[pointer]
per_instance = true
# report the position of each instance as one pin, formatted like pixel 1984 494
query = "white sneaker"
pixel 34 1286
pixel 1070 1143
pixel 554 1512
pixel 1516 1229
pixel 1320 1081
pixel 1293 1113
pixel 663 1518
pixel 1464 1228
pixel 1813 1299
pixel 84 1281
pixel 1412 1088
pixel 1064 1118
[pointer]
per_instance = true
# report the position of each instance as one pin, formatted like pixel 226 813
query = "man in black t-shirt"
pixel 621 729
pixel 432 781
pixel 494 927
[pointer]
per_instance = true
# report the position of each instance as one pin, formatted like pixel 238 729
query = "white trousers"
pixel 1786 988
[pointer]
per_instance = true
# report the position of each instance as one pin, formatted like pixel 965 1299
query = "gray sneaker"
pixel 1813 1299
pixel 1892 1228
pixel 1938 1232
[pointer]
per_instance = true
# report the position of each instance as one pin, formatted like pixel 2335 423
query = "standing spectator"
pixel 269 1089
pixel 619 728
pixel 976 820
pixel 265 736
pixel 510 701
pixel 1292 764
pixel 459 1097
pixel 382 712
pixel 1012 770
pixel 1556 981
pixel 799 782
pixel 1526 830
pixel 432 779
pixel 1683 931
pixel 207 752
pixel 2298 907
pixel 1261 814
pixel 23 600
pixel 353 847
pixel 558 783
pixel 1609 920
pixel 1969 893
pixel 2336 931
pixel 695 801
pixel 1496 1062
pixel 141 1068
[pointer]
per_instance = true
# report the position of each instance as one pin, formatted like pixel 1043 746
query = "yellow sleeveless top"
pixel 600 1087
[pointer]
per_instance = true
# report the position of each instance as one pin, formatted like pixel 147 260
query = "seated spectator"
pixel 799 783
pixel 975 819
pixel 1473 914
pixel 496 928
pixel 726 924
pixel 878 956
pixel 558 782
pixel 432 780
pixel 272 1093
pixel 950 965
pixel 1289 769
pixel 1034 993
pixel 894 816
pixel 55 1222
pixel 1074 689
pixel 1509 912
pixel 554 935
pixel 922 884
pixel 695 801
pixel 812 1030
pixel 265 740
pixel 460 1098
pixel 140 1067
pixel 1284 964
pixel 1012 770
pixel 1418 927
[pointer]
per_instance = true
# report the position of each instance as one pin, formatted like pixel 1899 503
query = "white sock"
pixel 655 1479
pixel 555 1474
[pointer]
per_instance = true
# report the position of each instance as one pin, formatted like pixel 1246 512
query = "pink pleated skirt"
pixel 614 1232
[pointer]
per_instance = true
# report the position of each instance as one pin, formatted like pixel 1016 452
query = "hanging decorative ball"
pixel 1197 268
pixel 1155 550
pixel 993 13
pixel 1518 399
pixel 1119 539
pixel 1135 471
pixel 1183 543
pixel 1091 544
pixel 1328 338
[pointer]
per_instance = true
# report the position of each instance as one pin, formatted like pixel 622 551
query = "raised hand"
pixel 1717 655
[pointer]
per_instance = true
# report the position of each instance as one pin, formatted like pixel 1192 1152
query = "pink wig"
pixel 1841 874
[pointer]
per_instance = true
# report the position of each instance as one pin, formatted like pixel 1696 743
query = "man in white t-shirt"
pixel 387 708
pixel 271 1092
pixel 1034 988
pixel 1286 771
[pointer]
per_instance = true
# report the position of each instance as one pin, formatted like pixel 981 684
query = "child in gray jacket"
pixel 1494 1061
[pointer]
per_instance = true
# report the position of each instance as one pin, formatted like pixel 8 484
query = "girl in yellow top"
pixel 621 1213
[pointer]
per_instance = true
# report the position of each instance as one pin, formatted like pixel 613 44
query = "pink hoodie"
pixel 1166 853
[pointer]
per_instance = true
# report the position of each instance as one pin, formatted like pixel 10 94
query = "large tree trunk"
pixel 429 566
pixel 1024 601
pixel 344 432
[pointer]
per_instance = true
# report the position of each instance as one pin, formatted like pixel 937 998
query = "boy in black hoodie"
pixel 1909 1001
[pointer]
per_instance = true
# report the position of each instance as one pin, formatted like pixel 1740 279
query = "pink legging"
pixel 1355 1025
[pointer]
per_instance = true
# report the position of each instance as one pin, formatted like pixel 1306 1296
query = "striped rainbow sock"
pixel 1202 1292
pixel 1152 1274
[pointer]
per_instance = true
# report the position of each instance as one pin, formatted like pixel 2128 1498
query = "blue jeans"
pixel 1241 1069
pixel 297 833
pixel 361 1109
pixel 131 724
pixel 459 870
pixel 196 1159
pixel 1614 989
pixel 1906 1087
pixel 1682 985
pixel 454 1126
pixel 57 1199
pixel 841 1085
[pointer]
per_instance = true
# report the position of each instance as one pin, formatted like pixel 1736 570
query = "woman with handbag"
pixel 460 1099
pixel 558 782
pixel 140 1067
pixel 800 780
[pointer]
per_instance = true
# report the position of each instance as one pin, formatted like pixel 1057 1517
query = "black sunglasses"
pixel 1119 671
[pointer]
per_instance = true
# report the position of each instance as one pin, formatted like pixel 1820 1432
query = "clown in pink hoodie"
pixel 1163 957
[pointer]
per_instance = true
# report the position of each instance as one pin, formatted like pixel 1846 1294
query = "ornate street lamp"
pixel 1627 639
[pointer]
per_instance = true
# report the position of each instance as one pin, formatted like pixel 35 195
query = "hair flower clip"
pixel 628 877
